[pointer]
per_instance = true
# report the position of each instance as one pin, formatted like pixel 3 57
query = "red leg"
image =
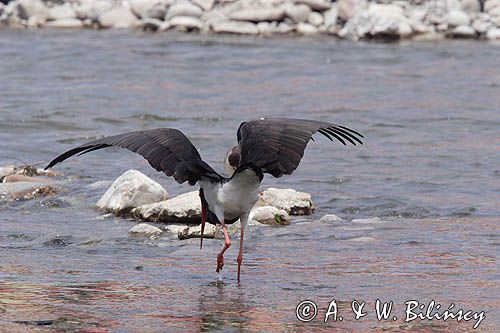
pixel 240 254
pixel 203 220
pixel 227 244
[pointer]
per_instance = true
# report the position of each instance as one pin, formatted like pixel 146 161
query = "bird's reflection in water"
pixel 223 305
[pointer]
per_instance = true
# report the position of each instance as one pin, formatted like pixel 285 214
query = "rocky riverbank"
pixel 348 19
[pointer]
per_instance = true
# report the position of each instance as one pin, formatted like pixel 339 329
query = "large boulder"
pixel 258 14
pixel 291 201
pixel 185 208
pixel 130 190
pixel 118 17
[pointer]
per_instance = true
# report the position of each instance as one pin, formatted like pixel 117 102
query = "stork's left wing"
pixel 166 149
pixel 277 145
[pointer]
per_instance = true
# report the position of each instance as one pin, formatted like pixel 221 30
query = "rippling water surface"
pixel 430 170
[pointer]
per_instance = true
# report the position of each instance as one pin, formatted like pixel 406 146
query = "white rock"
pixel 368 220
pixel 235 27
pixel 362 239
pixel 330 218
pixel 297 13
pixel 306 29
pixel 21 191
pixel 7 170
pixel 405 29
pixel 130 190
pixel 291 201
pixel 319 5
pixel 258 14
pixel 347 9
pixel 91 9
pixel 284 28
pixel 148 8
pixel 118 17
pixel 186 22
pixel 270 215
pixel 61 12
pixel 145 230
pixel 32 8
pixel 419 27
pixel 315 19
pixel 204 4
pixel 457 17
pixel 185 208
pixel 157 11
pixel 481 26
pixel 183 9
pixel 463 31
pixel 490 5
pixel 175 228
pixel 331 16
pixel 265 28
pixel 65 23
pixel 471 6
pixel 493 33
pixel 210 231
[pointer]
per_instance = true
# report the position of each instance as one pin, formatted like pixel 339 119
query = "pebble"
pixel 145 229
pixel 270 215
pixel 350 19
pixel 330 218
pixel 297 13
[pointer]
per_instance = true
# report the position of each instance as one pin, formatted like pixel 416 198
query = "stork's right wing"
pixel 277 145
pixel 166 149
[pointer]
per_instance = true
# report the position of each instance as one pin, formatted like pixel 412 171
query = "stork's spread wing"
pixel 276 145
pixel 166 149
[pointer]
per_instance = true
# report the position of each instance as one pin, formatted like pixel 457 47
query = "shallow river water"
pixel 430 171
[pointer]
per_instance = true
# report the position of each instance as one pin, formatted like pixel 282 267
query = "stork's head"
pixel 232 160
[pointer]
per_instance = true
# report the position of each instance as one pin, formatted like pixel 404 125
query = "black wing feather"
pixel 167 150
pixel 277 145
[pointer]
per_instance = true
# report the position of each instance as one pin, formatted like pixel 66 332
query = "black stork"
pixel 267 145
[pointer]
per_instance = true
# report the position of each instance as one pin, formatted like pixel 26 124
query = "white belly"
pixel 232 199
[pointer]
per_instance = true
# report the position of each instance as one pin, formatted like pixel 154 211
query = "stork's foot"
pixel 220 262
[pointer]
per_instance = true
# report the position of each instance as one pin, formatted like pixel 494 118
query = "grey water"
pixel 429 170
